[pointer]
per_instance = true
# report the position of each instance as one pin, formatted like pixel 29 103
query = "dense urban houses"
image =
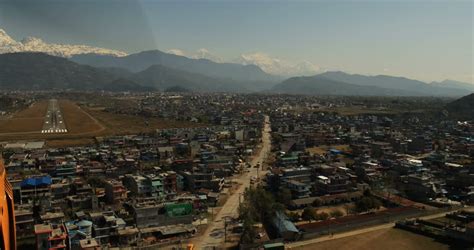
pixel 324 169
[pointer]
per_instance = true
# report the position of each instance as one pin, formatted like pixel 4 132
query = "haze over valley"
pixel 42 67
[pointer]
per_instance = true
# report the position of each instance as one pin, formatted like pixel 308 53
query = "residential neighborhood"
pixel 329 172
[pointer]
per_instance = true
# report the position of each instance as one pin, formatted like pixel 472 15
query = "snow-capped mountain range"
pixel 277 66
pixel 30 44
pixel 267 63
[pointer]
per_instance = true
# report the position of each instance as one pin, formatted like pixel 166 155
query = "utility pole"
pixel 225 229
pixel 257 172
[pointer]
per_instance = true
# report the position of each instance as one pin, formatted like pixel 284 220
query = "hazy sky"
pixel 430 40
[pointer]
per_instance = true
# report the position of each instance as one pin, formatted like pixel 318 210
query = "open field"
pixel 387 239
pixel 27 124
pixel 57 143
pixel 129 124
pixel 77 120
pixel 324 149
pixel 28 120
pixel 83 124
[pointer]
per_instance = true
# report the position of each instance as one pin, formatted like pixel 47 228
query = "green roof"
pixel 178 209
pixel 273 245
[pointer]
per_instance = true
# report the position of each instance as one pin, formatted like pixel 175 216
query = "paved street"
pixel 53 121
pixel 212 239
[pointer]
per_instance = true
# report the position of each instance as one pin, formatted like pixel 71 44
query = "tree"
pixel 323 216
pixel 367 192
pixel 336 213
pixel 248 233
pixel 367 203
pixel 389 181
pixel 293 216
pixel 363 204
pixel 309 213
pixel 276 206
pixel 376 204
pixel 258 206
pixel 317 202
pixel 95 182
pixel 347 208
pixel 284 196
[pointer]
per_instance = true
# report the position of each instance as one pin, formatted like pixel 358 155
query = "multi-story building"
pixel 24 221
pixel 105 225
pixel 153 214
pixel 34 187
pixel 422 186
pixel 298 189
pixel 50 236
pixel 297 180
pixel 333 184
pixel 77 231
pixel 198 180
pixel 136 184
pixel 115 192
pixel 381 148
pixel 155 185
pixel 170 182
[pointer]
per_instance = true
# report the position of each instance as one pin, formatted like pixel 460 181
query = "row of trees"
pixel 284 196
pixel 367 202
pixel 258 206
pixel 310 213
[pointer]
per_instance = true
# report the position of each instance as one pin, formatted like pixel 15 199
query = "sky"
pixel 425 40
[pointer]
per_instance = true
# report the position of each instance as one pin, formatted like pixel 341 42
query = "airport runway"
pixel 53 122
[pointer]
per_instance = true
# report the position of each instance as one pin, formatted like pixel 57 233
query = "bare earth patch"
pixel 28 120
pixel 324 149
pixel 130 124
pixel 386 239
pixel 83 124
pixel 77 120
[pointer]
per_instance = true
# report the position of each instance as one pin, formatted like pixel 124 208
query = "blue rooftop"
pixel 335 151
pixel 36 181
pixel 283 224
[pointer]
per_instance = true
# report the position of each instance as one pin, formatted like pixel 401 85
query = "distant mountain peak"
pixel 34 44
pixel 447 81
pixel 453 84
pixel 277 66
pixel 142 60
pixel 31 40
pixel 5 39
pixel 394 84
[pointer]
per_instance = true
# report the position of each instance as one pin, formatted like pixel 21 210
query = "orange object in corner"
pixel 7 212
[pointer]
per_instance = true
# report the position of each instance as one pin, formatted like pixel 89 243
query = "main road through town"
pixel 230 208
